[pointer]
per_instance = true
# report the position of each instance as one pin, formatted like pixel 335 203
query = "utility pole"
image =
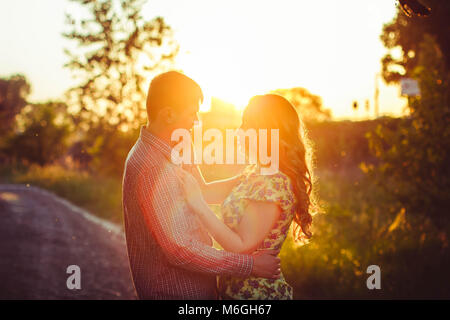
pixel 377 95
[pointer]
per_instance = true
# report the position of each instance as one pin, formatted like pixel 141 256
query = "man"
pixel 170 255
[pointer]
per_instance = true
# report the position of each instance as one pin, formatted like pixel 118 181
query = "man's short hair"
pixel 173 90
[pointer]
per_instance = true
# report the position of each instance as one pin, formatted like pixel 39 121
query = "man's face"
pixel 186 118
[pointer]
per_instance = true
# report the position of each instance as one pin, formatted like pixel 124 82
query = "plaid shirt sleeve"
pixel 164 210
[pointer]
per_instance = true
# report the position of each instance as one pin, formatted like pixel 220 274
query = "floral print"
pixel 273 188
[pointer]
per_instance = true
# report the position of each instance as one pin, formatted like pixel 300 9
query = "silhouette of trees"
pixel 13 98
pixel 115 53
pixel 415 154
pixel 406 35
pixel 116 49
pixel 308 105
pixel 42 138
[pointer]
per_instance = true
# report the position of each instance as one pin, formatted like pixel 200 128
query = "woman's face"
pixel 248 143
pixel 259 148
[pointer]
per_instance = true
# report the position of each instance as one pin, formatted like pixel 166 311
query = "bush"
pixel 362 227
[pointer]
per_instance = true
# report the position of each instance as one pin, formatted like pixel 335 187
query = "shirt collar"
pixel 150 139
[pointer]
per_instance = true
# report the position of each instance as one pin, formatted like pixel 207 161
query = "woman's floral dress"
pixel 273 188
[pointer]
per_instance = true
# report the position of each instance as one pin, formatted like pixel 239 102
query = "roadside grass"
pixel 102 196
pixel 361 226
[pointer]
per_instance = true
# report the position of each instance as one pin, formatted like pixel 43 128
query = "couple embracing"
pixel 169 225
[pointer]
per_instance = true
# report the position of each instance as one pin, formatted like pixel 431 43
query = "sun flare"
pixel 219 77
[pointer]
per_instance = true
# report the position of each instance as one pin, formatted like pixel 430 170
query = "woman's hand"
pixel 192 191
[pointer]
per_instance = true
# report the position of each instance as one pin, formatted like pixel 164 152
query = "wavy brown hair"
pixel 272 111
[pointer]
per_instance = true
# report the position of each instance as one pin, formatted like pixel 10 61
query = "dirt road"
pixel 42 234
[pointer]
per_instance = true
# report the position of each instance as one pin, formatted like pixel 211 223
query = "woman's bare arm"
pixel 214 192
pixel 256 223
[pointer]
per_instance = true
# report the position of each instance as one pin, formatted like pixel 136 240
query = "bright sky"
pixel 234 48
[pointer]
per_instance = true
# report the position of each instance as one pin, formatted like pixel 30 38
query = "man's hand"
pixel 266 264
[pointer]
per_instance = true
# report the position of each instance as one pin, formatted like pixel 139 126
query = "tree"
pixel 43 136
pixel 13 98
pixel 415 153
pixel 406 35
pixel 308 105
pixel 116 53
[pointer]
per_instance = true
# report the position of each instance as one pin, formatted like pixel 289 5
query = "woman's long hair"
pixel 272 111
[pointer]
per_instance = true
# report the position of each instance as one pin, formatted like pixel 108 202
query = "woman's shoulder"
pixel 254 172
pixel 278 180
pixel 273 187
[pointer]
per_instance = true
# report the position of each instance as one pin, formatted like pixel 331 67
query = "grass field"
pixel 361 227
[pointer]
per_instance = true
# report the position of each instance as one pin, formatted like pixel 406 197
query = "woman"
pixel 257 210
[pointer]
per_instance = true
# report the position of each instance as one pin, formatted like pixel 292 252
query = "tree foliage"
pixel 117 49
pixel 403 37
pixel 308 105
pixel 415 153
pixel 116 54
pixel 14 91
pixel 43 136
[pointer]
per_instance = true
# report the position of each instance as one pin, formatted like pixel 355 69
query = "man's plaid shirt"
pixel 170 254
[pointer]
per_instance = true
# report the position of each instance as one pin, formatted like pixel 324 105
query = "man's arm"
pixel 161 202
